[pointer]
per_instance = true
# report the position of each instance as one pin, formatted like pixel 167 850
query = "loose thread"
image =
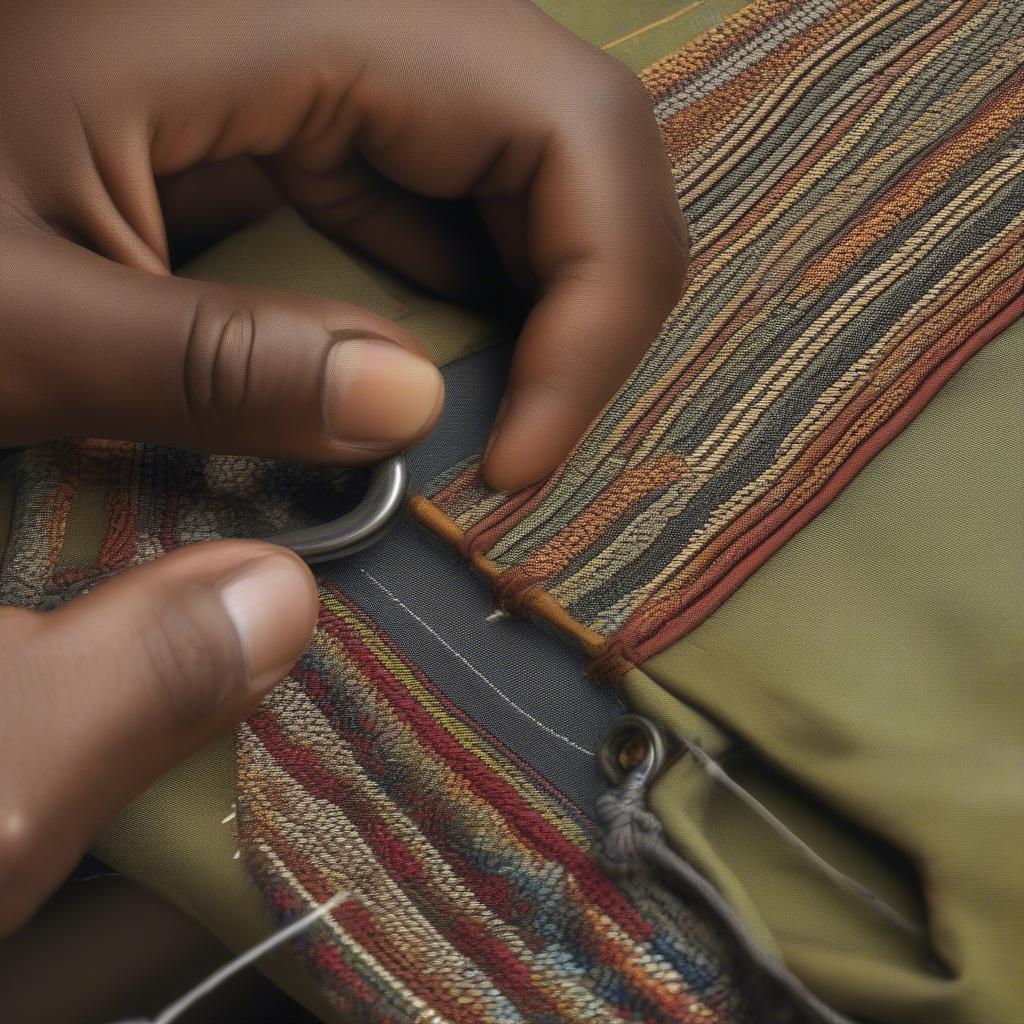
pixel 839 878
pixel 243 960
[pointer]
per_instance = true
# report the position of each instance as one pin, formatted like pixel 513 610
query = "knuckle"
pixel 191 660
pixel 661 266
pixel 618 92
pixel 219 351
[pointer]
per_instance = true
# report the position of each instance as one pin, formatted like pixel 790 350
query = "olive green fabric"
pixel 874 667
pixel 640 32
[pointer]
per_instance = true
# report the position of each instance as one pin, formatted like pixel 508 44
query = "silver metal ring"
pixel 361 527
pixel 630 742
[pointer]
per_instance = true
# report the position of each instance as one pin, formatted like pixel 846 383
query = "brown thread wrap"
pixel 514 591
pixel 520 593
pixel 612 663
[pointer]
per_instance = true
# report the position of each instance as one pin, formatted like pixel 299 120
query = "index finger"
pixel 608 242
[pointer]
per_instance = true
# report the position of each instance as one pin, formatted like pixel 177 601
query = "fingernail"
pixel 378 392
pixel 271 602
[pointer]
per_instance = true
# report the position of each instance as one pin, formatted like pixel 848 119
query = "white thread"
pixel 230 817
pixel 243 960
pixel 472 668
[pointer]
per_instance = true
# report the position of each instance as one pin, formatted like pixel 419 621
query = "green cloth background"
pixel 877 657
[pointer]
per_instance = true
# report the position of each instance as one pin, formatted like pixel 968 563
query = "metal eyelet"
pixel 632 741
pixel 361 527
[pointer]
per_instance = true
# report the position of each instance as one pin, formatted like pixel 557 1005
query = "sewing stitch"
pixel 472 668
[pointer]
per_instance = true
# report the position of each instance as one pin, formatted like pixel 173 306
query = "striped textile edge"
pixel 853 175
pixel 473 891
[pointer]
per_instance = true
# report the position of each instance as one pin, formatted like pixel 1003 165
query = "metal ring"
pixel 616 758
pixel 361 527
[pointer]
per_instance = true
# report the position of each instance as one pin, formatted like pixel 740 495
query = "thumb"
pixel 106 694
pixel 94 348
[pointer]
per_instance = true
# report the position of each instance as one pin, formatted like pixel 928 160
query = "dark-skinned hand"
pixel 127 126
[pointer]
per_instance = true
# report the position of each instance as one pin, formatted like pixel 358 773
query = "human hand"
pixel 368 117
pixel 371 120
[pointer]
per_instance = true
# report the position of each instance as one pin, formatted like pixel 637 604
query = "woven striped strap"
pixel 853 174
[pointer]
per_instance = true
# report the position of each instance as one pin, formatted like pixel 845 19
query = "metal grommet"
pixel 361 527
pixel 631 741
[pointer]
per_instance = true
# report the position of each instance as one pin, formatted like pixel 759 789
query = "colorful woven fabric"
pixel 853 174
pixel 474 893
pixel 89 509
pixel 476 890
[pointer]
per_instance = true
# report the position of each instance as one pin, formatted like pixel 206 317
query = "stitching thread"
pixel 472 668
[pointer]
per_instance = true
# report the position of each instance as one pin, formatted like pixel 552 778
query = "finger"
pixel 607 240
pixel 90 347
pixel 103 696
pixel 435 243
